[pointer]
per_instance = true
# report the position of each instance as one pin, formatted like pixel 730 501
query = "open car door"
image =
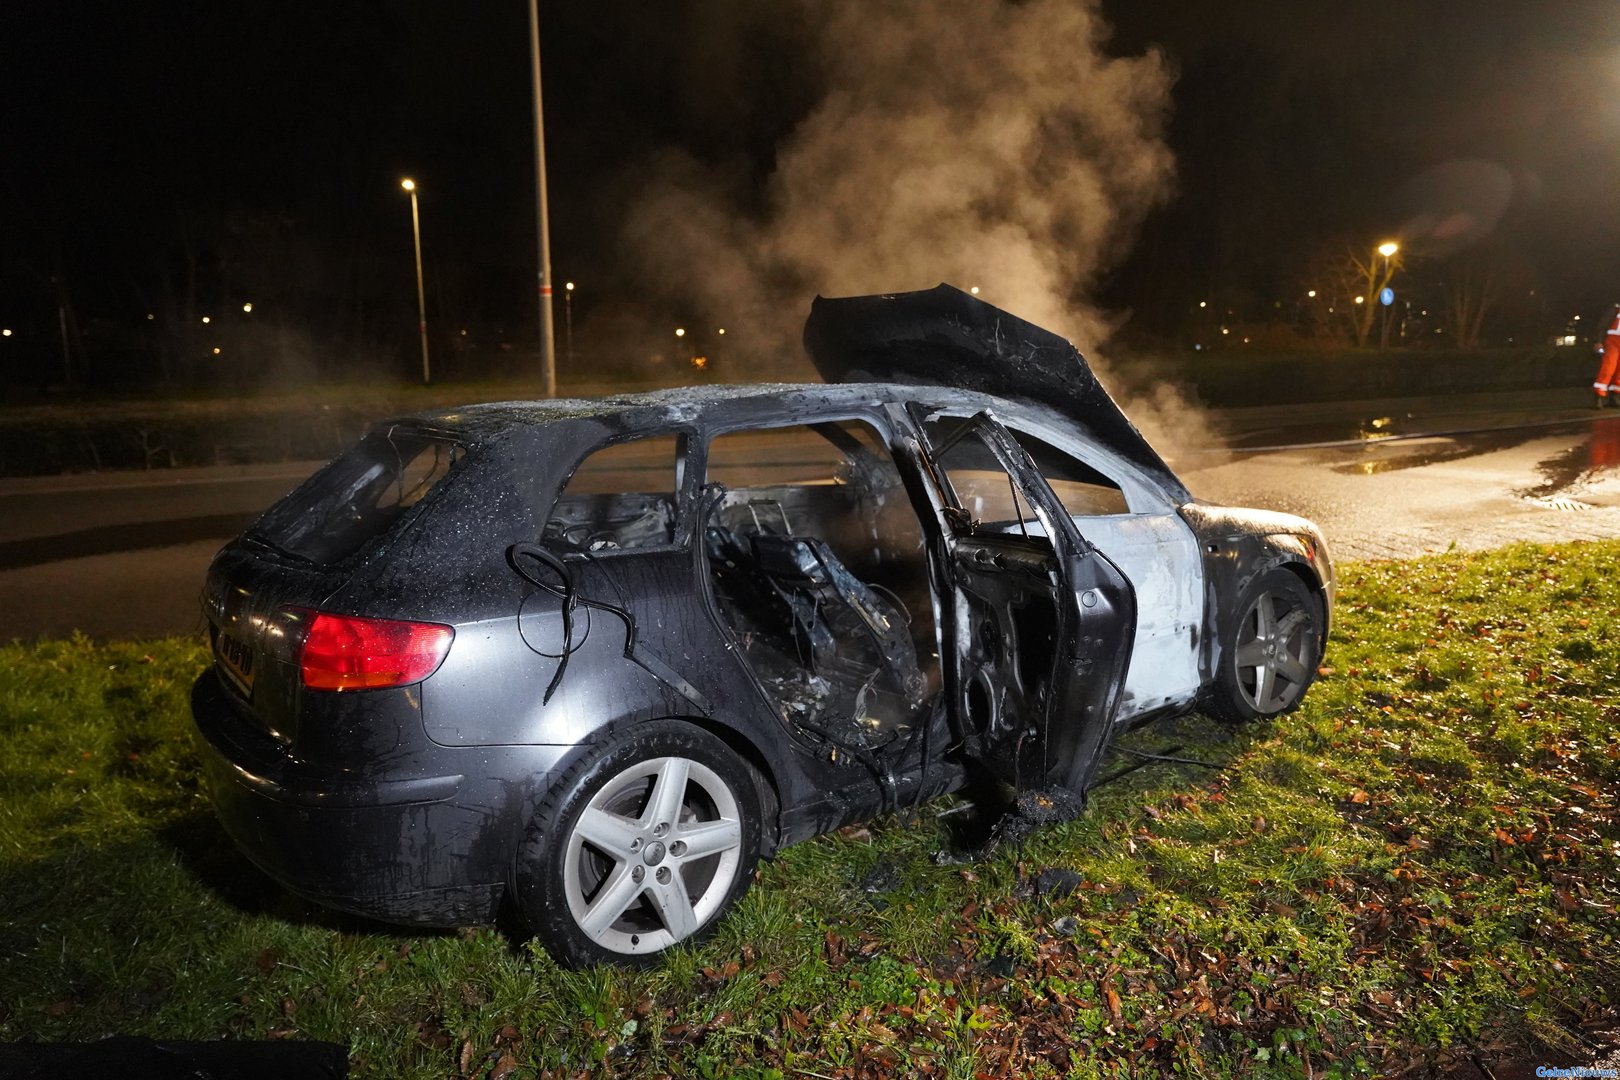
pixel 1038 623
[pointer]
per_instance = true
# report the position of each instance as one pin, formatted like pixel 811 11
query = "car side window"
pixel 980 484
pixel 620 496
pixel 1083 491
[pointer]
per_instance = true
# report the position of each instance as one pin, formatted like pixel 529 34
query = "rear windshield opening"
pixel 358 497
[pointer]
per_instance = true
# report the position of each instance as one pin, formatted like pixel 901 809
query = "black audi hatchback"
pixel 595 658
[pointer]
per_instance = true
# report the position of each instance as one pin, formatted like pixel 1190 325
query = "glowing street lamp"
pixel 1387 249
pixel 421 297
pixel 568 320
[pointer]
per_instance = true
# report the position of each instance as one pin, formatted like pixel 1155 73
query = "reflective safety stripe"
pixel 1600 387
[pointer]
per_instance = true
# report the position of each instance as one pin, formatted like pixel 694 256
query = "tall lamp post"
pixel 548 343
pixel 1387 249
pixel 421 297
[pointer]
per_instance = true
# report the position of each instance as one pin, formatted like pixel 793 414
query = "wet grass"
pixel 1418 867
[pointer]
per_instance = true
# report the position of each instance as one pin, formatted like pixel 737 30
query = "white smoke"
pixel 988 144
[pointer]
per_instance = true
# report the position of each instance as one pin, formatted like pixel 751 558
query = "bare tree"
pixel 1492 282
pixel 1343 289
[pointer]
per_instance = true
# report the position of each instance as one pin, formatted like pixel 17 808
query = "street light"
pixel 421 297
pixel 1387 249
pixel 568 320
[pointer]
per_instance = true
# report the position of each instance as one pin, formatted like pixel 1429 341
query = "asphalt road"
pixel 122 555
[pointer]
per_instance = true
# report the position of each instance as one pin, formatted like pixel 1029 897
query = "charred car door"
pixel 1038 624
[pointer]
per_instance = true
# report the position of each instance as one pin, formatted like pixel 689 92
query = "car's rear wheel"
pixel 642 843
pixel 1270 654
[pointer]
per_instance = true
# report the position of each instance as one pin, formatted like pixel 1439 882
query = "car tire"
pixel 618 865
pixel 1270 654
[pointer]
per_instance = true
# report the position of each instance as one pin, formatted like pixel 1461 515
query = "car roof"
pixel 673 404
pixel 765 404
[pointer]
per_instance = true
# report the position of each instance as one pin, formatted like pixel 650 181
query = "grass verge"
pixel 1418 867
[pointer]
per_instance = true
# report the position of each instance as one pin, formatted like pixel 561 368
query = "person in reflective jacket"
pixel 1607 383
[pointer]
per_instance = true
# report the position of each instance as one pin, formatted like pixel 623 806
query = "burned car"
pixel 593 659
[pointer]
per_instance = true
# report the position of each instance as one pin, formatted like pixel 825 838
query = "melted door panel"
pixel 1039 623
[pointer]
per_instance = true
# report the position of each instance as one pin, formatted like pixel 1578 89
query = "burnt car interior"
pixel 615 499
pixel 819 570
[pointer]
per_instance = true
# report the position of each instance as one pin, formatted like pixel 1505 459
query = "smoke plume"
pixel 988 144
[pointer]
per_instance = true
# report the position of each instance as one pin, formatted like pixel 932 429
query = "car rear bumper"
pixel 426 838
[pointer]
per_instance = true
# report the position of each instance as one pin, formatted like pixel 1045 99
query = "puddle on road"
pixel 1601 451
pixel 1398 456
pixel 1595 459
pixel 1384 457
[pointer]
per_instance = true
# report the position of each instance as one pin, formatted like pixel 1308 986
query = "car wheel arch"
pixel 766 771
pixel 1224 589
pixel 1271 579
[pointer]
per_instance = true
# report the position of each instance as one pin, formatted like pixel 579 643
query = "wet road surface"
pixel 1383 497
pixel 123 555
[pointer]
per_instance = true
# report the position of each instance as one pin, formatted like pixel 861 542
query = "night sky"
pixel 173 156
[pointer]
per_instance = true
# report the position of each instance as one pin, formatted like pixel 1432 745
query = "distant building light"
pixel 1245 341
pixel 1577 318
pixel 1567 339
pixel 206 320
pixel 150 316
pixel 6 332
pixel 216 350
pixel 464 333
pixel 569 285
pixel 1311 293
pixel 1224 330
pixel 1203 303
pixel 1361 299
pixel 700 362
pixel 974 290
pixel 680 331
pixel 1198 346
pixel 721 331
pixel 247 309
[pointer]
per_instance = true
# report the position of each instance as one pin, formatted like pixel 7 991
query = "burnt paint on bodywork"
pixel 1238 545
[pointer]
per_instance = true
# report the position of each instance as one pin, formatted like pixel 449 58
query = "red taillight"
pixel 342 652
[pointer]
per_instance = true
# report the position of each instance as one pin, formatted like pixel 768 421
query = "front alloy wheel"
pixel 1272 655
